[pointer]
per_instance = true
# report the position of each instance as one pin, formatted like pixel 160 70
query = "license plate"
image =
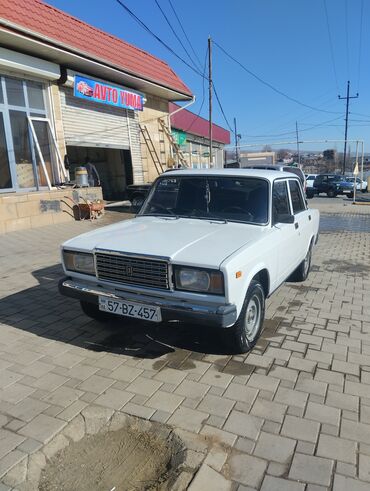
pixel 130 309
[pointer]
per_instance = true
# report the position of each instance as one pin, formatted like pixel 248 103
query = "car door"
pixel 302 220
pixel 284 233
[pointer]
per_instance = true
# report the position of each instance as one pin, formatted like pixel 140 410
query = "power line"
pixel 144 26
pixel 203 93
pixel 331 45
pixel 183 30
pixel 174 32
pixel 222 109
pixel 360 46
pixel 294 132
pixel 267 84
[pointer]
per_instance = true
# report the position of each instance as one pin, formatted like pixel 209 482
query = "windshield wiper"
pixel 211 219
pixel 165 217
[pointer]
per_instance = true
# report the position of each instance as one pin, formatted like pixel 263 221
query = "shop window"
pixel 42 135
pixel 14 90
pixel 22 149
pixel 35 95
pixel 5 179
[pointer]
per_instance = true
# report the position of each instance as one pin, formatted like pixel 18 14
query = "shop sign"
pixel 179 136
pixel 93 90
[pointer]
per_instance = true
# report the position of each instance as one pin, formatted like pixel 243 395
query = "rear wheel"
pixel 92 310
pixel 331 193
pixel 243 335
pixel 303 270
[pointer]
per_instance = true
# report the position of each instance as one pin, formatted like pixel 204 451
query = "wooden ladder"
pixel 175 146
pixel 153 152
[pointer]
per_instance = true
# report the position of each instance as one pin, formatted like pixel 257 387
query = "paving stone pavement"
pixel 294 414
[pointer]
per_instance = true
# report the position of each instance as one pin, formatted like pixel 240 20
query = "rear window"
pixel 296 196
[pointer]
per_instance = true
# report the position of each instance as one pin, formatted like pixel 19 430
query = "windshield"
pixel 238 199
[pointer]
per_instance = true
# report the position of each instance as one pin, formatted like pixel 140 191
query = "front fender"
pixel 237 287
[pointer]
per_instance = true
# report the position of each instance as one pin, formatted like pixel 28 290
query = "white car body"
pixel 239 250
pixel 310 179
pixel 360 185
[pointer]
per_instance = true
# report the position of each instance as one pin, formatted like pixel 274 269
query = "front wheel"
pixel 243 335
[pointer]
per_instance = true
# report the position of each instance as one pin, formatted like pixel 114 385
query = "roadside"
pixel 292 414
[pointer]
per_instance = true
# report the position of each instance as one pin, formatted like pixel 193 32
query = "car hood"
pixel 184 241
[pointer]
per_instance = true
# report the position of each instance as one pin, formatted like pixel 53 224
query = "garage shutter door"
pixel 91 124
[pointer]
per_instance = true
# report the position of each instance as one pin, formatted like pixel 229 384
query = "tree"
pixel 283 153
pixel 329 155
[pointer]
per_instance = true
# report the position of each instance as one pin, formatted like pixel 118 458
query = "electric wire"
pixel 222 109
pixel 272 87
pixel 144 26
pixel 203 94
pixel 331 45
pixel 184 32
pixel 174 32
pixel 324 123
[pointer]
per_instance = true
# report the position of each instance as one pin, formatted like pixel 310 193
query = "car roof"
pixel 270 175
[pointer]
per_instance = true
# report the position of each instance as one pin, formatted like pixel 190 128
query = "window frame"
pixel 5 108
pixel 301 194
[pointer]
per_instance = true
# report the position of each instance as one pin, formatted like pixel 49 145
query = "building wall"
pixel 38 208
pixel 154 108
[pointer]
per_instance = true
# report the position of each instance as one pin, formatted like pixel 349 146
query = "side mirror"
pixel 284 218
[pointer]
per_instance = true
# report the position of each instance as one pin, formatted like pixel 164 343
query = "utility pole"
pixel 347 97
pixel 210 91
pixel 299 155
pixel 236 142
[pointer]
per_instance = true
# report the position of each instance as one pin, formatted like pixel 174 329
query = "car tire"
pixel 244 334
pixel 92 310
pixel 303 270
pixel 331 193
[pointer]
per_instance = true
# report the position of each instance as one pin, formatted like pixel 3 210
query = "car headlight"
pixel 81 262
pixel 199 280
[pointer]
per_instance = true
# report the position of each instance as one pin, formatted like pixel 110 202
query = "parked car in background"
pixel 360 185
pixel 310 179
pixel 282 168
pixel 330 184
pixel 208 247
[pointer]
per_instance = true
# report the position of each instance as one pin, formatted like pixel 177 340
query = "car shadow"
pixel 41 310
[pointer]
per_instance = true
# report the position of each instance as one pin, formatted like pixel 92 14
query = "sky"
pixel 285 43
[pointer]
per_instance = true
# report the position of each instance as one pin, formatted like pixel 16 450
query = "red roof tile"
pixel 195 125
pixel 64 30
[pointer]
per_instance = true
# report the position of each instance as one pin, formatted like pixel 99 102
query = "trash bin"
pixel 81 177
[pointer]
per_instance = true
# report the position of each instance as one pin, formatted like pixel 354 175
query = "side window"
pixel 296 195
pixel 280 200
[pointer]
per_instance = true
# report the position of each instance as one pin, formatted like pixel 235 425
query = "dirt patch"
pixel 126 459
pixel 344 266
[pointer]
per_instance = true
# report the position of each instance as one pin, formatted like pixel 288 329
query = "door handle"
pixel 296 225
pixel 309 217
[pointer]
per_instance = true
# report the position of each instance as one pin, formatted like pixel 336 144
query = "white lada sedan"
pixel 207 247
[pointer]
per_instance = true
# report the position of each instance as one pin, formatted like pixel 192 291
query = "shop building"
pixel 69 93
pixel 191 133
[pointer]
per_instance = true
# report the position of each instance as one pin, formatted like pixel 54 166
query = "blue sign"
pixel 93 90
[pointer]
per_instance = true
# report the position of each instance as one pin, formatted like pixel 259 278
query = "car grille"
pixel 133 271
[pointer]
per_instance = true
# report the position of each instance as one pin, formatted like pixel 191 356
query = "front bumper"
pixel 224 315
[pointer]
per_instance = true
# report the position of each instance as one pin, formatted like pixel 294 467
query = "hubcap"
pixel 252 317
